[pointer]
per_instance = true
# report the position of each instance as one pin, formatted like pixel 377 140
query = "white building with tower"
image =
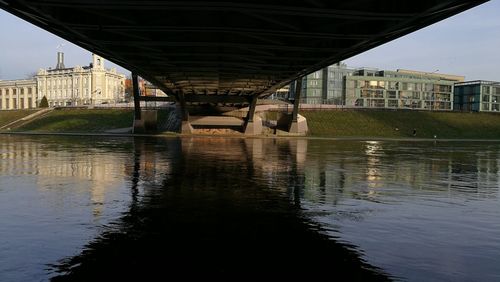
pixel 76 86
pixel 80 85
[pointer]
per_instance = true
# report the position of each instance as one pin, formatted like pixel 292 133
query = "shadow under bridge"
pixel 229 52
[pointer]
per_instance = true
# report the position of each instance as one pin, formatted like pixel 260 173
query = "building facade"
pixel 401 89
pixel 18 94
pixel 477 96
pixel 326 86
pixel 79 86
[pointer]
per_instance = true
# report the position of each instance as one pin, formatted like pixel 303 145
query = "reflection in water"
pixel 214 214
pixel 55 169
pixel 94 209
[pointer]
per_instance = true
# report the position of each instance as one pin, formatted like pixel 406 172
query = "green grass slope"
pixel 394 124
pixel 81 120
pixel 10 116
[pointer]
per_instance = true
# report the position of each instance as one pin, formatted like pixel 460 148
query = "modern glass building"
pixel 401 89
pixel 477 96
pixel 326 86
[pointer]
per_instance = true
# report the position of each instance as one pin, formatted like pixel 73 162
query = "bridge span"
pixel 229 52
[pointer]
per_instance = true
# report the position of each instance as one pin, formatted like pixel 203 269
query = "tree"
pixel 44 103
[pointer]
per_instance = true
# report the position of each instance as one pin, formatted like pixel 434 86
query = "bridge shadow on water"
pixel 216 208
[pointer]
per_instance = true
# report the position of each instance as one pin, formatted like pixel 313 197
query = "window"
pixel 391 94
pixel 404 95
pixel 486 90
pixel 428 96
pixel 392 103
pixel 376 103
pixel 486 98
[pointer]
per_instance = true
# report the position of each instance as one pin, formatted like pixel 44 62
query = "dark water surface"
pixel 93 209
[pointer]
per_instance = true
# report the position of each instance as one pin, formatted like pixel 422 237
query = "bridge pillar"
pixel 298 124
pixel 253 124
pixel 186 127
pixel 138 126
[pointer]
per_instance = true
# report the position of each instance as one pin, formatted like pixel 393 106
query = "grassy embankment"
pixel 7 117
pixel 80 120
pixel 321 123
pixel 384 123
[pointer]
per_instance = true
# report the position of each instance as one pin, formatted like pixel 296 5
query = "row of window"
pixel 395 85
pixel 491 98
pixel 14 103
pixel 392 94
pixel 15 91
pixel 491 90
pixel 63 82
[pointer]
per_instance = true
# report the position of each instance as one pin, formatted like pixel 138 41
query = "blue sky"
pixel 466 44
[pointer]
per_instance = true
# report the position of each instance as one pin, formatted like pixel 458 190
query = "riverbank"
pixel 401 124
pixel 7 117
pixel 342 125
pixel 79 121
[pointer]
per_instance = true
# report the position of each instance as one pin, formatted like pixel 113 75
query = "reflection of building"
pixel 51 168
pixel 477 96
pixel 87 85
pixel 18 94
pixel 380 170
pixel 400 89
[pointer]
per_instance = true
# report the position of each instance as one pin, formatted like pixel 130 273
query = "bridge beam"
pixel 253 124
pixel 138 126
pixel 298 124
pixel 186 127
pixel 196 98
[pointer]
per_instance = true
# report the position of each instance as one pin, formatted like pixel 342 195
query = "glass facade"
pixel 326 86
pixel 389 89
pixel 477 96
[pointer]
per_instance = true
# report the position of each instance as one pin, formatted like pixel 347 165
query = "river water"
pixel 93 209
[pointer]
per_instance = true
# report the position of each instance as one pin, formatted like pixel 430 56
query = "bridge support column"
pixel 253 124
pixel 298 124
pixel 186 127
pixel 138 126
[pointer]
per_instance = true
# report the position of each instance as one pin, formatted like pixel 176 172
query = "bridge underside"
pixel 230 51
